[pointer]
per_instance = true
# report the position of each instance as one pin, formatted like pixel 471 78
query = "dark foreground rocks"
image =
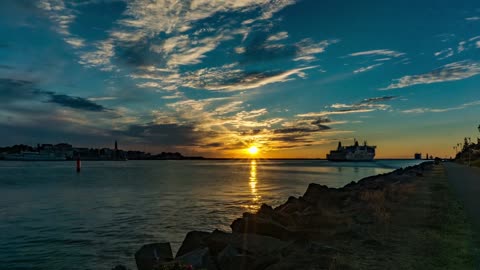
pixel 319 230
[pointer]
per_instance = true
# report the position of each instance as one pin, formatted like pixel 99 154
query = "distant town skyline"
pixel 216 78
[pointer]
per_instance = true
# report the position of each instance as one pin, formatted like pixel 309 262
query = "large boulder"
pixel 152 255
pixel 120 267
pixel 256 224
pixel 193 241
pixel 198 259
pixel 230 258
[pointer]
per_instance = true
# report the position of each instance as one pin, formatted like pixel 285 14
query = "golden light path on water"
pixel 253 185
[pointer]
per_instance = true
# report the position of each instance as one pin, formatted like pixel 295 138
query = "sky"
pixel 212 78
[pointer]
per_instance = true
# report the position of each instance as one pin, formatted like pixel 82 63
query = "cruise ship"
pixel 353 152
pixel 34 156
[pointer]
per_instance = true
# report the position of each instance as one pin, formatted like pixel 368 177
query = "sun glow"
pixel 253 150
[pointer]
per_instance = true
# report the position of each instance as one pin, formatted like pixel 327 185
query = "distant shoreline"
pixel 240 159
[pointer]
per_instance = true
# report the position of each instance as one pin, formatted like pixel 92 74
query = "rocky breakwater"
pixel 326 228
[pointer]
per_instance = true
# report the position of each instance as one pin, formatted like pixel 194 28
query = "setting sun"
pixel 253 150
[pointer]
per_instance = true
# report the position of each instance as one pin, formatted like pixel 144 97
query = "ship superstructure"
pixel 353 152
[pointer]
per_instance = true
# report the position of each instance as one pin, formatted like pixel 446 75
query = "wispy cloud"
pixel 63 17
pixel 450 72
pixel 363 69
pixel 242 81
pixel 382 52
pixel 475 18
pixel 444 54
pixel 364 106
pixel 278 36
pixel 440 110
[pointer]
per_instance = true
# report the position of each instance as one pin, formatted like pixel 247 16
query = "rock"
pixel 120 267
pixel 244 243
pixel 316 192
pixel 198 259
pixel 305 254
pixel 193 240
pixel 258 225
pixel 231 259
pixel 152 255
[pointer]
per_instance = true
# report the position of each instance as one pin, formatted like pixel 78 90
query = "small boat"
pixel 353 152
pixel 34 156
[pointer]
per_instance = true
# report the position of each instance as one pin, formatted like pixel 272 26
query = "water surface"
pixel 53 218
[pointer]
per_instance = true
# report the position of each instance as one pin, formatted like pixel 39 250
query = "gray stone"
pixel 258 225
pixel 152 255
pixel 198 259
pixel 193 240
pixel 231 259
pixel 120 267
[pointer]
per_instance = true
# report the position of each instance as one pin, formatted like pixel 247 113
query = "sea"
pixel 52 217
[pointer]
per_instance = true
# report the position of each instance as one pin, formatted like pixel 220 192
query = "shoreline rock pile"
pixel 309 232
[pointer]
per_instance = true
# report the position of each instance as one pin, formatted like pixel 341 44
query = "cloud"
pixel 382 52
pixel 75 42
pixel 101 98
pixel 278 36
pixel 450 72
pixel 186 38
pixel 473 42
pixel 475 18
pixel 264 48
pixel 378 99
pixel 337 112
pixel 100 57
pixel 443 54
pixel 236 80
pixel 363 69
pixel 440 110
pixel 12 90
pixel 163 134
pixel 74 102
pixel 310 126
pixel 364 106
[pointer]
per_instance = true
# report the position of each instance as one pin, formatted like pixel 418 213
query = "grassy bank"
pixel 476 163
pixel 427 229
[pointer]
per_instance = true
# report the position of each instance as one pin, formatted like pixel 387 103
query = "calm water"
pixel 53 218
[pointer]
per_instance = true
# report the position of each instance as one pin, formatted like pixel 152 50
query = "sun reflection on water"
pixel 253 185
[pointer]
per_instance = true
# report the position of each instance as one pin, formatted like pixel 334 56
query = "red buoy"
pixel 79 164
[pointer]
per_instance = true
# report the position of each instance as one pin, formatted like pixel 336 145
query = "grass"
pixel 424 227
pixel 448 234
pixel 476 163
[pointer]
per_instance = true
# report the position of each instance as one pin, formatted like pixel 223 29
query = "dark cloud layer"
pixel 13 90
pixel 75 103
pixel 378 99
pixel 163 134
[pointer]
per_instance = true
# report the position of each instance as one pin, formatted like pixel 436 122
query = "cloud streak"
pixel 450 72
pixel 364 106
pixel 441 110
pixel 382 52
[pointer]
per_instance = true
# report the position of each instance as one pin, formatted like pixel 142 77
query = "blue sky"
pixel 214 77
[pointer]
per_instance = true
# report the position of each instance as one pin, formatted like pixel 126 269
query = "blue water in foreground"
pixel 53 218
